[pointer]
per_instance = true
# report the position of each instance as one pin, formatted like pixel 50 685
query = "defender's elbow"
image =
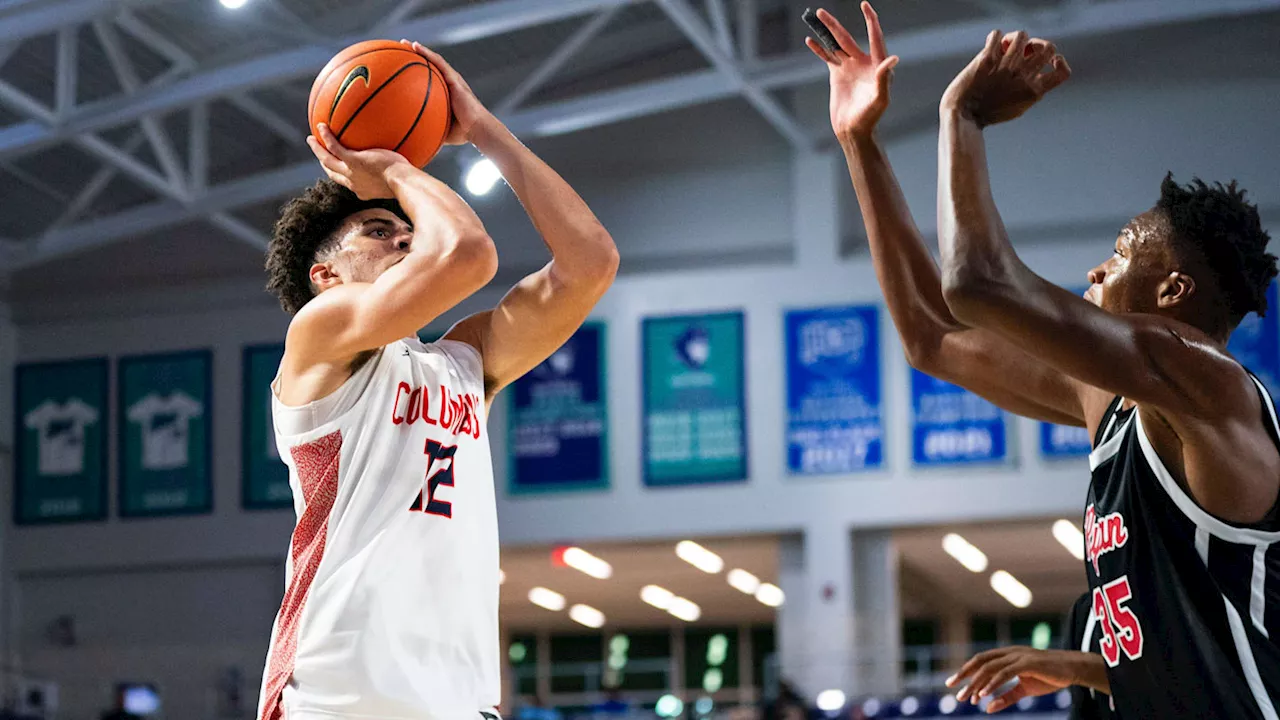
pixel 966 295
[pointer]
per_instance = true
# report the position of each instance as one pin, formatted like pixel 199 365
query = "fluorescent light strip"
pixel 771 595
pixel 586 615
pixel 686 610
pixel 964 552
pixel 1010 589
pixel 699 557
pixel 1066 532
pixel 743 581
pixel 549 599
pixel 585 562
pixel 656 596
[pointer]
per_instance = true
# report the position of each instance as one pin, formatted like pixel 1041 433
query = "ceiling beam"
pixel 641 100
pixel 471 22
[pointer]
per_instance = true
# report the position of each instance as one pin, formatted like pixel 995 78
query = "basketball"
pixel 381 94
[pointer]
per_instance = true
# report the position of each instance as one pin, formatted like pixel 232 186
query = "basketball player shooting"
pixel 1182 511
pixel 391 605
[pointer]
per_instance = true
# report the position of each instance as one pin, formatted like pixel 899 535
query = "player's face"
pixel 1129 281
pixel 371 241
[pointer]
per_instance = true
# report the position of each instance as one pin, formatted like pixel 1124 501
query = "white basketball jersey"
pixel 391 601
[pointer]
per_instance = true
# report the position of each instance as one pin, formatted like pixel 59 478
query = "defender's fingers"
pixel 820 51
pixel 875 35
pixel 842 36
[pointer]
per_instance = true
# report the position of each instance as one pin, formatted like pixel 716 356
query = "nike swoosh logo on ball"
pixel 359 71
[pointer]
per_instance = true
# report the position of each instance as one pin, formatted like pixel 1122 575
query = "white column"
pixel 817 179
pixel 815 624
pixel 878 616
pixel 956 633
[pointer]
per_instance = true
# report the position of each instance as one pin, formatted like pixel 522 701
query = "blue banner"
pixel 557 423
pixel 694 420
pixel 951 425
pixel 1256 344
pixel 834 414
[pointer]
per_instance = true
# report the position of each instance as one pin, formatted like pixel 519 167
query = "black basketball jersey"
pixel 1079 634
pixel 1187 605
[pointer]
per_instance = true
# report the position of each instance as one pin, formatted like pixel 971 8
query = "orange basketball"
pixel 381 94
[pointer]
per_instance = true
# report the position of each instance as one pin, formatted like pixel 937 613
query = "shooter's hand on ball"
pixel 859 80
pixel 469 113
pixel 363 172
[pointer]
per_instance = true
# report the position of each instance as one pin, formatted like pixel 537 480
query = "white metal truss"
pixel 737 70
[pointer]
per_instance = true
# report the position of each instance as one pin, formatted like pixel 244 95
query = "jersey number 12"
pixel 439 472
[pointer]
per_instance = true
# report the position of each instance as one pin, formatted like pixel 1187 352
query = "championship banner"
pixel 557 422
pixel 264 476
pixel 165 416
pixel 694 419
pixel 834 414
pixel 1256 344
pixel 951 425
pixel 60 460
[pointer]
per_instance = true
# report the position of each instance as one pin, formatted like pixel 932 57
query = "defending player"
pixel 1182 511
pixel 391 606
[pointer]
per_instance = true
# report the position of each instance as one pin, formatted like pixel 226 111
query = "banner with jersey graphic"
pixel 951 425
pixel 694 420
pixel 165 417
pixel 1065 441
pixel 1256 344
pixel 264 476
pixel 834 413
pixel 557 424
pixel 60 459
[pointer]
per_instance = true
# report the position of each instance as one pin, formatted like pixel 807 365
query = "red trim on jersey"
pixel 317 465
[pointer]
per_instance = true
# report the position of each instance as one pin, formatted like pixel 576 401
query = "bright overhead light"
pixel 771 595
pixel 830 700
pixel 481 176
pixel 549 599
pixel 910 705
pixel 743 581
pixel 502 576
pixel 232 4
pixel 699 557
pixel 686 610
pixel 658 597
pixel 948 704
pixel 669 706
pixel 585 562
pixel 1066 532
pixel 964 552
pixel 586 615
pixel 1010 589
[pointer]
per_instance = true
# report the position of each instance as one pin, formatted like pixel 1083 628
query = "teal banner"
pixel 694 419
pixel 264 477
pixel 165 416
pixel 60 461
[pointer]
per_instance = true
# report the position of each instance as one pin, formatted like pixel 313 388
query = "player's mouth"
pixel 1092 294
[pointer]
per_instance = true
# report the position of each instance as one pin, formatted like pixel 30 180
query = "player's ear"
pixel 1176 289
pixel 323 276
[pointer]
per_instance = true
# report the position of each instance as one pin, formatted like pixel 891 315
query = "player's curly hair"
pixel 1227 231
pixel 304 232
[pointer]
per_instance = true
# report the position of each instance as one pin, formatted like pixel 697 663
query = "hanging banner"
pixel 694 422
pixel 557 422
pixel 951 425
pixel 834 415
pixel 264 476
pixel 165 416
pixel 61 450
pixel 1256 344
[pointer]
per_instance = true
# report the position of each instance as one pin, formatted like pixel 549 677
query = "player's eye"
pixel 381 234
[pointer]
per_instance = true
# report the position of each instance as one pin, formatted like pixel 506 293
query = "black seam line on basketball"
pixel 431 80
pixel 374 94
pixel 359 71
pixel 311 106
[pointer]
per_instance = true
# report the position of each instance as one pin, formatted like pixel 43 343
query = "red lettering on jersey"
pixel 446 409
pixel 395 406
pixel 415 406
pixel 1102 535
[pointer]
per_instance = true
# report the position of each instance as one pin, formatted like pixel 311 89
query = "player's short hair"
pixel 305 231
pixel 1226 230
